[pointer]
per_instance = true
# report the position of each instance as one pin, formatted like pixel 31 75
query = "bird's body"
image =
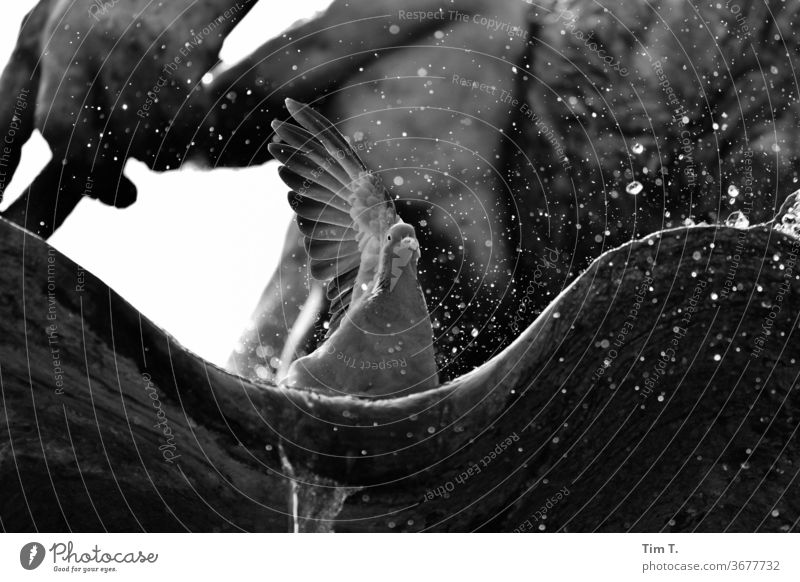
pixel 381 349
pixel 380 339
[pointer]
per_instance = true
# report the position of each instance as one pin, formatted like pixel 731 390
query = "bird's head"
pixel 402 236
pixel 400 251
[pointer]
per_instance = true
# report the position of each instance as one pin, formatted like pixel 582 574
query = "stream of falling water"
pixel 314 501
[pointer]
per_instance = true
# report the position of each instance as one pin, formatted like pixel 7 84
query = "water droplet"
pixel 733 191
pixel 398 181
pixel 394 29
pixel 634 188
pixel 637 148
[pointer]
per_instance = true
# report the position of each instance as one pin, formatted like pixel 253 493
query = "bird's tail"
pixel 19 87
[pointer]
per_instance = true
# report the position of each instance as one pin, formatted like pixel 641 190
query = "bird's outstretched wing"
pixel 343 209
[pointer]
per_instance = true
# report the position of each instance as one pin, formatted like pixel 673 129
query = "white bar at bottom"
pixel 390 557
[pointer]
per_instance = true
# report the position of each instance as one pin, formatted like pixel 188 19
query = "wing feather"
pixel 326 249
pixel 305 167
pixel 324 269
pixel 324 132
pixel 312 229
pixel 301 139
pixel 313 190
pixel 318 211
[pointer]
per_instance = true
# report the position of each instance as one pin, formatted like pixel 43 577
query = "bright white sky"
pixel 196 250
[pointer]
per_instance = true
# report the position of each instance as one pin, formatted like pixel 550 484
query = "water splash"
pixel 788 219
pixel 738 220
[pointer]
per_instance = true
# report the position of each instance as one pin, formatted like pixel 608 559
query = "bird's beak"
pixel 409 243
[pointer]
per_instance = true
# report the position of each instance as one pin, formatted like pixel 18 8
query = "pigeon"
pixel 380 340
